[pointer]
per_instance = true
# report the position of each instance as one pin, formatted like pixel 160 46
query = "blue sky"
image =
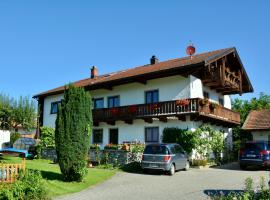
pixel 45 44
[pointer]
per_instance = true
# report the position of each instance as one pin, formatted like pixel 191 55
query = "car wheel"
pixel 187 166
pixel 172 170
pixel 243 167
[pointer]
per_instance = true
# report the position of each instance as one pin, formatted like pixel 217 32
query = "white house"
pixel 4 138
pixel 138 103
pixel 258 124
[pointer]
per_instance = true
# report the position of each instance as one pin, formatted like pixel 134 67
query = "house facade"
pixel 138 103
pixel 258 124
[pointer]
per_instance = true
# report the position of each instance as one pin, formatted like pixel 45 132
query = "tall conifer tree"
pixel 72 132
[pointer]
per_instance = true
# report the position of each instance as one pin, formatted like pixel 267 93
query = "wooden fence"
pixel 9 172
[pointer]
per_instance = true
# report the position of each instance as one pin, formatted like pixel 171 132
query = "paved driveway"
pixel 191 185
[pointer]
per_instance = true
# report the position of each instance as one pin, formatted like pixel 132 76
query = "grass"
pixel 53 178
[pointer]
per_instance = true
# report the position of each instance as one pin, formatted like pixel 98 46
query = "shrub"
pixel 47 137
pixel 72 133
pixel 199 162
pixel 28 186
pixel 187 139
pixel 14 137
pixel 112 146
pixel 95 147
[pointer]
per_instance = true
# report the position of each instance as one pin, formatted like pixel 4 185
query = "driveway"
pixel 192 184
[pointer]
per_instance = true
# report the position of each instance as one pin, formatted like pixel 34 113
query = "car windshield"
pixel 254 146
pixel 155 149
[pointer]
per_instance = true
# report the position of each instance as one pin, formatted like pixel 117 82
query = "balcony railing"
pixel 196 106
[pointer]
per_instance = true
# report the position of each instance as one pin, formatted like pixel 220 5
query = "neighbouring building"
pixel 137 104
pixel 4 138
pixel 258 124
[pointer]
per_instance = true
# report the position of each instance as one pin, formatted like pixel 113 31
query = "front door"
pixel 113 137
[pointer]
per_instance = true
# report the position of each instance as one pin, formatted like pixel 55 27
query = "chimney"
pixel 94 72
pixel 153 60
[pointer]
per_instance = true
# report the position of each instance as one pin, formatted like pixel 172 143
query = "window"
pixel 113 101
pixel 98 103
pixel 151 96
pixel 97 136
pixel 221 101
pixel 54 107
pixel 151 134
pixel 206 95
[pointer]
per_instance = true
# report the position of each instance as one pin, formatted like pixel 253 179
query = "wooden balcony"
pixel 198 109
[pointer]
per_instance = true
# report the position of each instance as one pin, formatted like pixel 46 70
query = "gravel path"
pixel 191 185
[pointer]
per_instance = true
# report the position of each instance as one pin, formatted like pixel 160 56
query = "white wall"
pixel 4 137
pixel 136 131
pixel 260 135
pixel 48 118
pixel 174 87
pixel 196 87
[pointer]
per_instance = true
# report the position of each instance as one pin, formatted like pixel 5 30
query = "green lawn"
pixel 54 180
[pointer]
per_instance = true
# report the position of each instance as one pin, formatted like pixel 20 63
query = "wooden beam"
pixel 111 123
pixel 181 117
pixel 194 118
pixel 95 123
pixel 163 119
pixel 129 121
pixel 108 88
pixel 148 120
pixel 142 81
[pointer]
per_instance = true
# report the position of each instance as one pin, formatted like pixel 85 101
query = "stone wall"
pixel 49 154
pixel 115 157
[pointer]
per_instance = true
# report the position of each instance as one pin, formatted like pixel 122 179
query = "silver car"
pixel 166 157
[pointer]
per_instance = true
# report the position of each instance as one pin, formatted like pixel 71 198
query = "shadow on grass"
pixel 52 176
pixel 215 193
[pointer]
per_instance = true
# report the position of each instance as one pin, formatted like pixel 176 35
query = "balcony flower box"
pixel 115 111
pixel 132 109
pixel 182 102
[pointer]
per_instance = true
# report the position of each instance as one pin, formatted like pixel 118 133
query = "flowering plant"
pixel 182 102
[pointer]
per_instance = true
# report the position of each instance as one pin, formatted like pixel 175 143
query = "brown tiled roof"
pixel 257 120
pixel 145 69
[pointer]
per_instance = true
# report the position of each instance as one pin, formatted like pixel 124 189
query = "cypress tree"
pixel 72 133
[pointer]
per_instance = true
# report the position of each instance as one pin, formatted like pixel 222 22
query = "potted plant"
pixel 213 105
pixel 125 147
pixel 204 101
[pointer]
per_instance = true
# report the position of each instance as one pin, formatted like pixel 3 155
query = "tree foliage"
pixel 17 112
pixel 245 106
pixel 72 133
